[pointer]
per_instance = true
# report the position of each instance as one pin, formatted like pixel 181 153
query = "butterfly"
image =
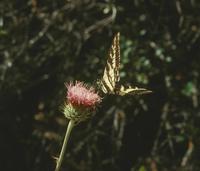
pixel 109 83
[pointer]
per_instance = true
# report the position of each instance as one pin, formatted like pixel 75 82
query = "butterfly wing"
pixel 132 91
pixel 111 71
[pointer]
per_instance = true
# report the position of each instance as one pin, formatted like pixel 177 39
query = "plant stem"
pixel 69 129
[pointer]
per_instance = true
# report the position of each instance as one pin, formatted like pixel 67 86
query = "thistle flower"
pixel 80 105
pixel 82 95
pixel 81 101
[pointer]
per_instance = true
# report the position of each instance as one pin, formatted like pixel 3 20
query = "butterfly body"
pixel 109 83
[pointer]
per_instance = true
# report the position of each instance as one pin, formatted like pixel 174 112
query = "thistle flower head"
pixel 82 95
pixel 81 101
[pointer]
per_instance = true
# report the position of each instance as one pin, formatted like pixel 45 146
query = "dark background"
pixel 44 44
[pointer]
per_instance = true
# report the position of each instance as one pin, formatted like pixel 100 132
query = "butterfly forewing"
pixel 111 71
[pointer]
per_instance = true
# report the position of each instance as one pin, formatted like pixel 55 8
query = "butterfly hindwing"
pixel 131 91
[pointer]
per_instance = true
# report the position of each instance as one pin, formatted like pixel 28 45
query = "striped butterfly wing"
pixel 111 77
pixel 132 91
pixel 111 71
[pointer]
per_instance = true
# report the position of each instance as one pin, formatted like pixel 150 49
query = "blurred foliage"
pixel 47 43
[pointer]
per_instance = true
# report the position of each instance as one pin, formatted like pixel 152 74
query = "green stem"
pixel 69 129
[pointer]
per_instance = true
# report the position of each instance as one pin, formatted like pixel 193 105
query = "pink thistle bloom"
pixel 80 95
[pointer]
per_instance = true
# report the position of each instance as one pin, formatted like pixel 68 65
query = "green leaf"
pixel 189 89
pixel 142 168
